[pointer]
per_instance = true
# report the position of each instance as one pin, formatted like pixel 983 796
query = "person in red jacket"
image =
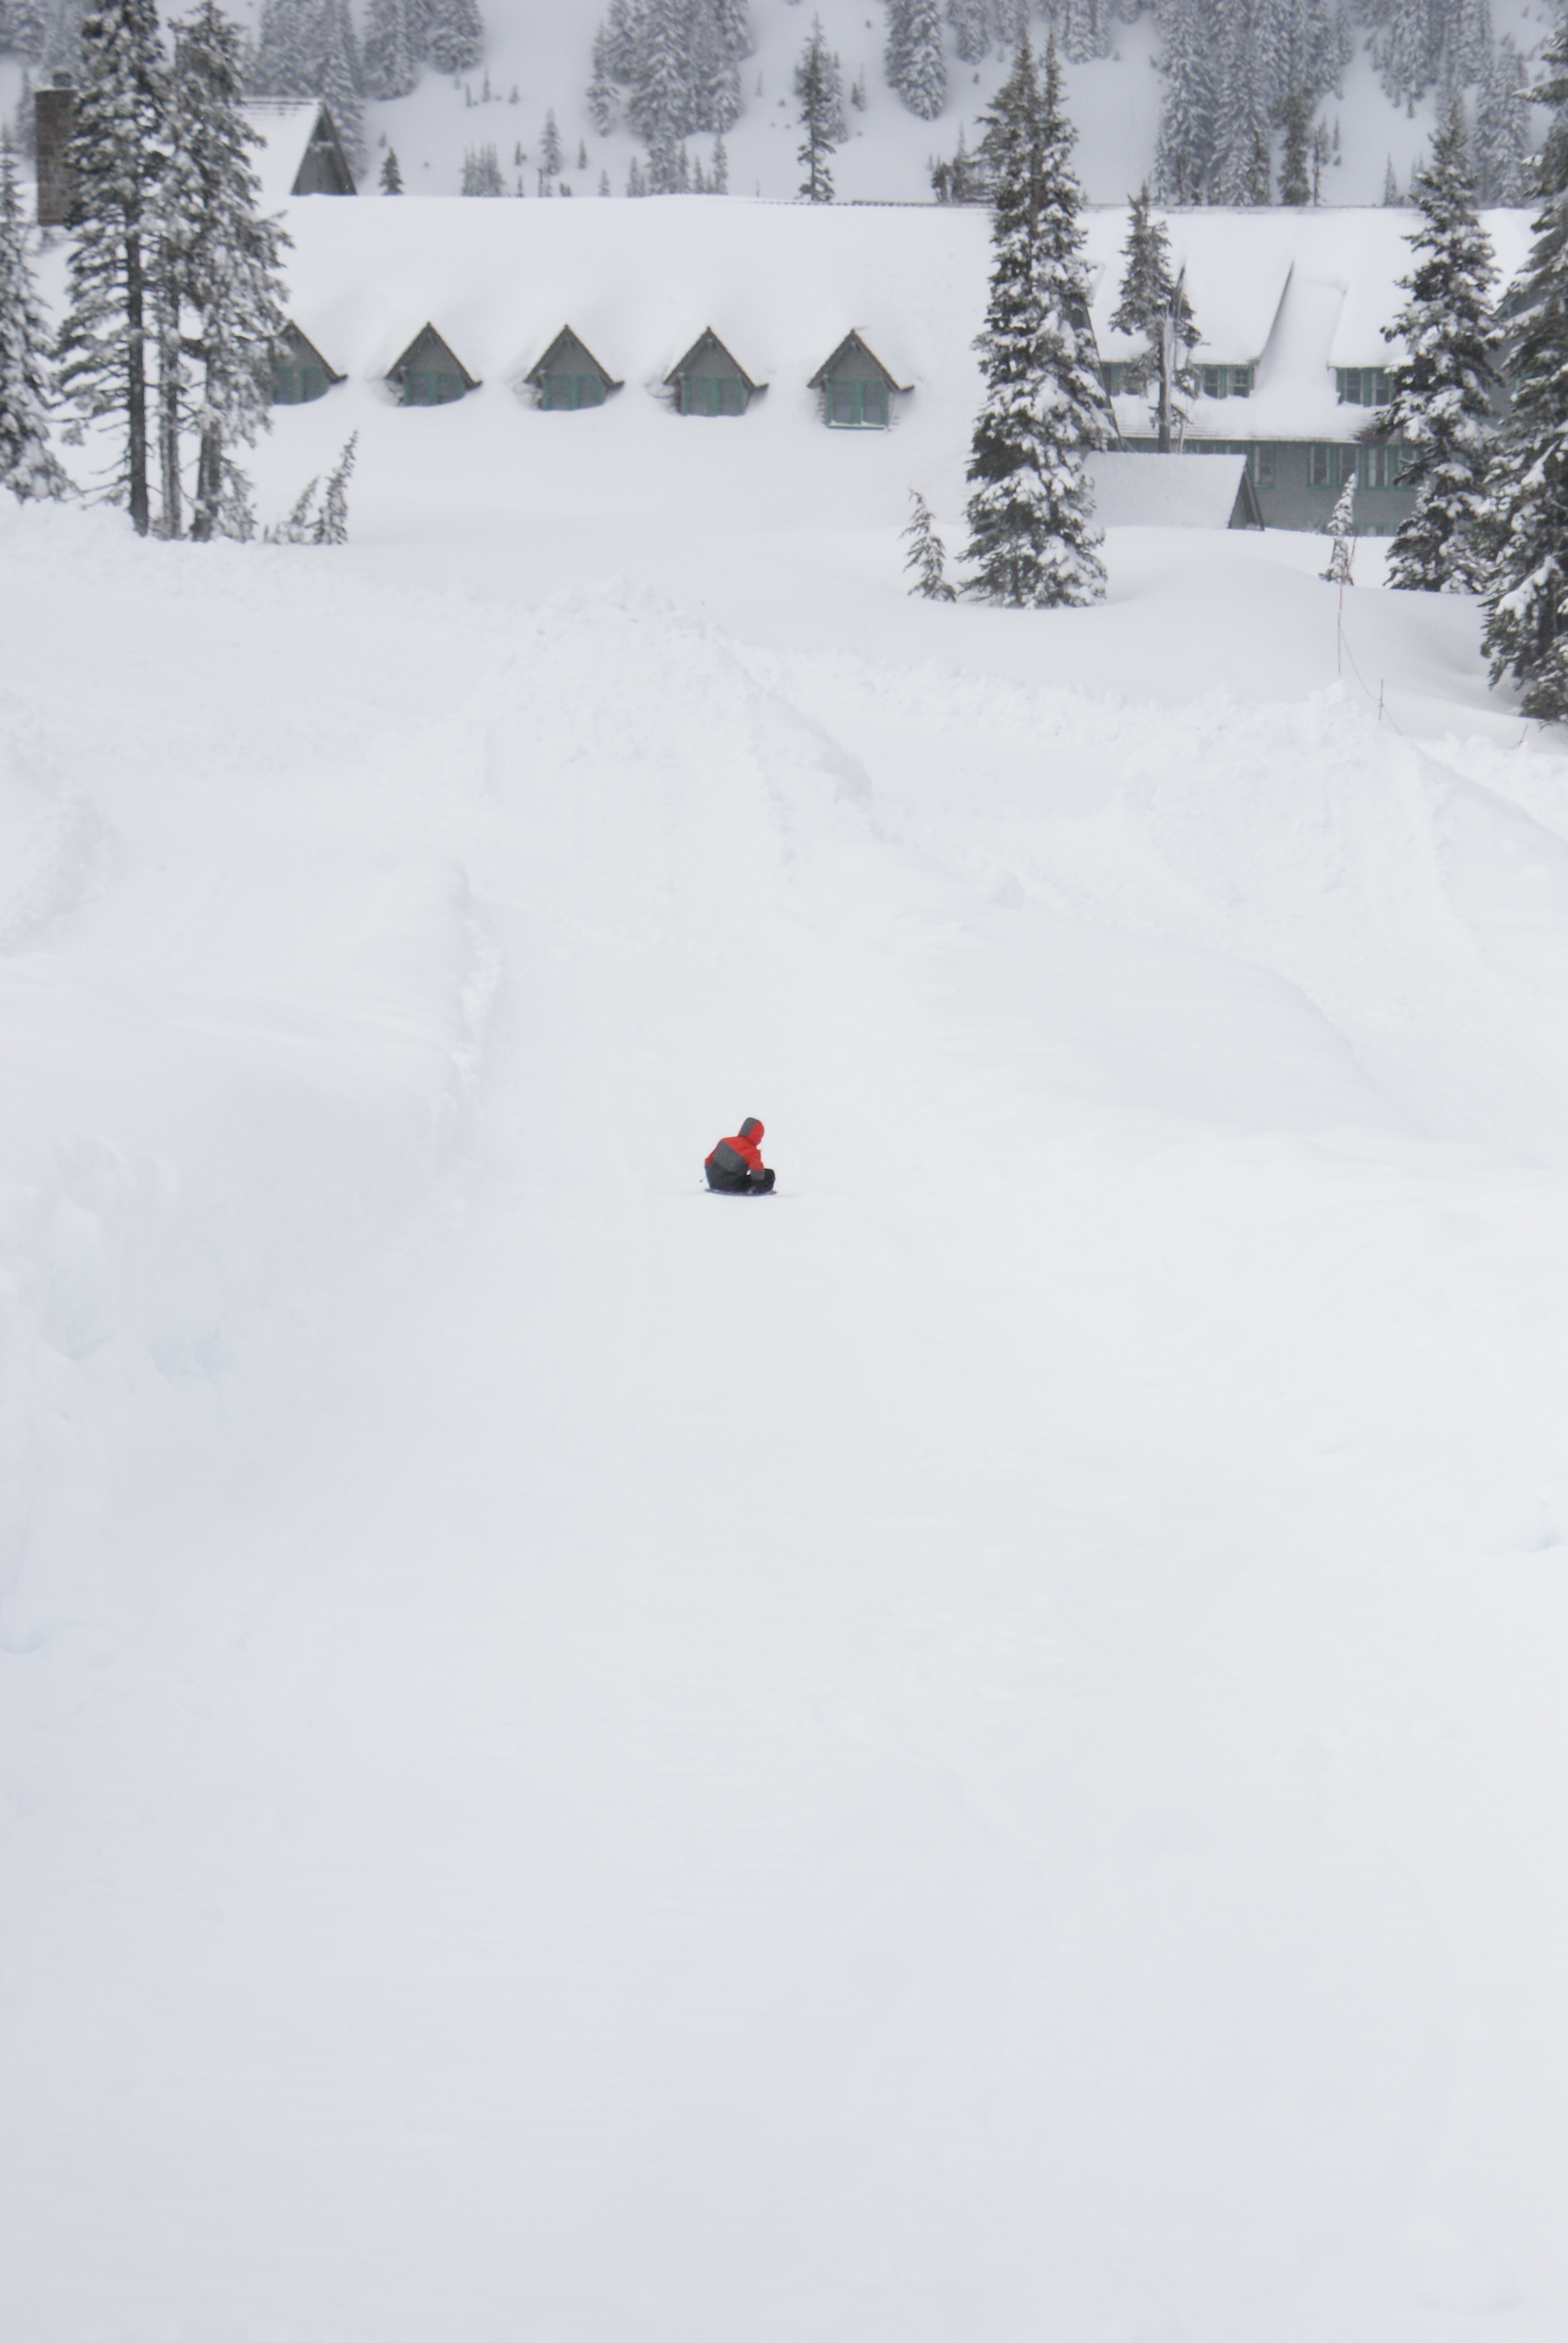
pixel 736 1167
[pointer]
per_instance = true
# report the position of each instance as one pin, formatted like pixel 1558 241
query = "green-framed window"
pixel 567 392
pixel 712 393
pixel 857 406
pixel 1382 464
pixel 430 386
pixel 294 384
pixel 1364 386
pixel 1226 381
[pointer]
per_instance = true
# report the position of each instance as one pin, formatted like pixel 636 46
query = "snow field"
pixel 977 1746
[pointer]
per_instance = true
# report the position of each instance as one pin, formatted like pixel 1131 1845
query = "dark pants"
pixel 747 1183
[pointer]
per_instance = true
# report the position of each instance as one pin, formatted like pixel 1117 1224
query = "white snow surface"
pixel 976 1750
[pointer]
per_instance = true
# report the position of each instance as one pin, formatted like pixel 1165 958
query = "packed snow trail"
pixel 978 1750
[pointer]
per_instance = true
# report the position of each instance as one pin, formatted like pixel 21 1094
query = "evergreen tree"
pixel 603 111
pixel 635 183
pixel 582 153
pixel 391 175
pixel 819 87
pixel 285 49
pixel 719 180
pixel 915 59
pixel 481 172
pixel 331 525
pixel 225 262
pixel 1406 50
pixel 116 158
pixel 27 468
pixel 1501 142
pixel 1239 168
pixel 1295 181
pixel 550 157
pixel 1032 539
pixel 604 186
pixel 334 77
pixel 971 21
pixel 1526 598
pixel 25 29
pixel 1153 308
pixel 454 35
pixel 1340 526
pixel 927 556
pixel 1442 406
pixel 1087 29
pixel 390 64
pixel 1390 194
pixel 1187 116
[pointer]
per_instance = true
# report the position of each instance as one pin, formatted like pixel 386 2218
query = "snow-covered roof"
pixel 285 127
pixel 1142 492
pixel 782 283
pixel 1327 281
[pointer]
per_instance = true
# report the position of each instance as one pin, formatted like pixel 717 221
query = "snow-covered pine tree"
pixel 1340 526
pixel 550 157
pixel 116 158
pixel 659 105
pixel 1032 538
pixel 390 64
pixel 1526 598
pixel 1086 29
pixel 818 86
pixel 635 185
pixel 1501 146
pixel 1406 50
pixel 1391 194
pixel 481 172
pixel 604 186
pixel 718 179
pixel 335 77
pixel 63 57
pixel 1154 308
pixel 971 21
pixel 26 30
pixel 454 35
pixel 391 174
pixel 1295 175
pixel 27 466
pixel 927 556
pixel 331 526
pixel 1443 407
pixel 285 50
pixel 603 110
pixel 915 60
pixel 582 154
pixel 1187 116
pixel 227 261
pixel 1239 169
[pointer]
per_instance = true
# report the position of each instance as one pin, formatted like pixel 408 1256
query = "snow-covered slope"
pixel 540 49
pixel 975 1750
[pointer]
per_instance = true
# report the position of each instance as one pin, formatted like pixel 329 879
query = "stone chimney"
pixel 55 119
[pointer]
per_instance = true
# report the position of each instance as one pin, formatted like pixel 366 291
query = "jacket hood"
pixel 752 1129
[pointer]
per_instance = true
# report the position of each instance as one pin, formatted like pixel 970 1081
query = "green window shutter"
pixel 284 390
pixel 875 406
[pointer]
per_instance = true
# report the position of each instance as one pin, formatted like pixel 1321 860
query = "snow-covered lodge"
pixel 860 318
pixel 1292 306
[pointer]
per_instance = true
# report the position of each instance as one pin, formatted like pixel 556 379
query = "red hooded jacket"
pixel 743 1146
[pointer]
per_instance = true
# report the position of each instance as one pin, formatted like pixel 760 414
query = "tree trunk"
pixel 170 518
pixel 136 382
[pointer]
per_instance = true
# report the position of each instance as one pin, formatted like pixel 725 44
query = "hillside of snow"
pixel 539 49
pixel 972 1750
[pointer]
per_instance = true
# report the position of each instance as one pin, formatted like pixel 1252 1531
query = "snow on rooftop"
pixel 285 124
pixel 1145 491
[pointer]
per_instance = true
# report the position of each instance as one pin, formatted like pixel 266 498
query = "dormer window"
pixel 1364 386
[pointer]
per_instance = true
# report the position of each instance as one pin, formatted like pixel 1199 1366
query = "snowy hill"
pixel 543 53
pixel 973 1749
